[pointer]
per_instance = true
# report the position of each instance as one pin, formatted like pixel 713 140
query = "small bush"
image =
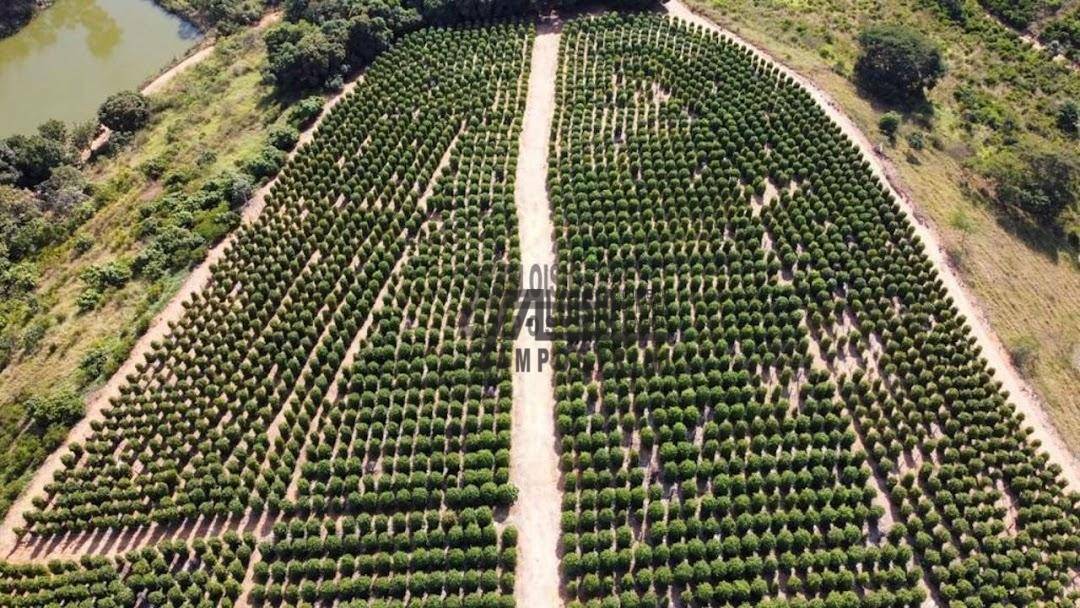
pixel 88 299
pixel 889 124
pixel 1068 118
pixel 83 243
pixel 65 407
pixel 305 111
pixel 283 137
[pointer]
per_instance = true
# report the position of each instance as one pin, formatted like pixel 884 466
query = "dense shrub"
pixel 954 9
pixel 283 137
pixel 1068 117
pixel 321 40
pixel 125 111
pixel 897 62
pixel 1042 185
pixel 229 15
pixel 14 14
pixel 28 160
pixel 1016 13
pixel 302 56
pixel 64 407
pixel 304 112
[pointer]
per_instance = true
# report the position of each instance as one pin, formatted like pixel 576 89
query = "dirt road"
pixel 533 459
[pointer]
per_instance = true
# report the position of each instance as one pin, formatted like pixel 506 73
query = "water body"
pixel 74 54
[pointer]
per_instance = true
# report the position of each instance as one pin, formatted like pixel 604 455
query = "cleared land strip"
pixel 159 329
pixel 534 462
pixel 1022 396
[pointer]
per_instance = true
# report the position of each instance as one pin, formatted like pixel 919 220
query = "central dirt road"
pixel 533 459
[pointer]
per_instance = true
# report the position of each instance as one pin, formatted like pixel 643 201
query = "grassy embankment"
pixel 1025 277
pixel 205 120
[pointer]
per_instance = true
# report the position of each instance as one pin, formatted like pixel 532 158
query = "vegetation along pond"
pixel 76 53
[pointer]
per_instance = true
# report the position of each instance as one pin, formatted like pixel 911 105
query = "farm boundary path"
pixel 533 458
pixel 97 400
pixel 1022 396
pixel 164 78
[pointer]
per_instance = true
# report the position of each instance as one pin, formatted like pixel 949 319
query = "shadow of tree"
pixel 1048 241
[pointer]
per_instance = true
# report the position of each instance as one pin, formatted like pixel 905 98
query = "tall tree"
pixel 898 62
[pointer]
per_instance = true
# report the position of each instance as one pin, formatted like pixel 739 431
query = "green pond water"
pixel 74 54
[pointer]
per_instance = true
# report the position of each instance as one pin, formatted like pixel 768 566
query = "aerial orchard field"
pixel 347 356
pixel 216 419
pixel 750 334
pixel 763 393
pixel 415 451
pixel 204 573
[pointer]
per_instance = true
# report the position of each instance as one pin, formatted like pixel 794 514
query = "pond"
pixel 74 54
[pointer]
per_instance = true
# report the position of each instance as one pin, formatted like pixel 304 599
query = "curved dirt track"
pixel 533 457
pixel 161 80
pixel 97 400
pixel 1021 394
pixel 167 76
